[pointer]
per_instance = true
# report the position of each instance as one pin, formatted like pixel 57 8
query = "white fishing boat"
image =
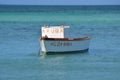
pixel 55 39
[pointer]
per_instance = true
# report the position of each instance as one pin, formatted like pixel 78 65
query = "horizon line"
pixel 58 5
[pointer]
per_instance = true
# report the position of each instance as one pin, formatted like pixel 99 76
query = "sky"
pixel 60 2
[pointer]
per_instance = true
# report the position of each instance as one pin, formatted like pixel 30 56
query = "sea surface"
pixel 20 29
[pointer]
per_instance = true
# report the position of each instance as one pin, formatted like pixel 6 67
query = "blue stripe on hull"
pixel 66 52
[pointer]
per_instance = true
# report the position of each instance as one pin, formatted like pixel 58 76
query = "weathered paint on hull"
pixel 61 46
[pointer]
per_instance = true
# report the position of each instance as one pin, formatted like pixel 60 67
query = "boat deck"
pixel 65 39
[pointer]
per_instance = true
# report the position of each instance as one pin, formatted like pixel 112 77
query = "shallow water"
pixel 19 44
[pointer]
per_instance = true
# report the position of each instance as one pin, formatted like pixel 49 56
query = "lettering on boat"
pixel 60 43
pixel 56 30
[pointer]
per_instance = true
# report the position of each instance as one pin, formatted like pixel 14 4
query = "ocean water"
pixel 19 43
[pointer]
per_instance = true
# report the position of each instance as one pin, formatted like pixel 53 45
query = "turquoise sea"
pixel 19 45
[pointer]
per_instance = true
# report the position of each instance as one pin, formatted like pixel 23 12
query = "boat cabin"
pixel 55 31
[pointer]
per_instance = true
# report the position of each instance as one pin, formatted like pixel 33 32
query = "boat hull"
pixel 51 46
